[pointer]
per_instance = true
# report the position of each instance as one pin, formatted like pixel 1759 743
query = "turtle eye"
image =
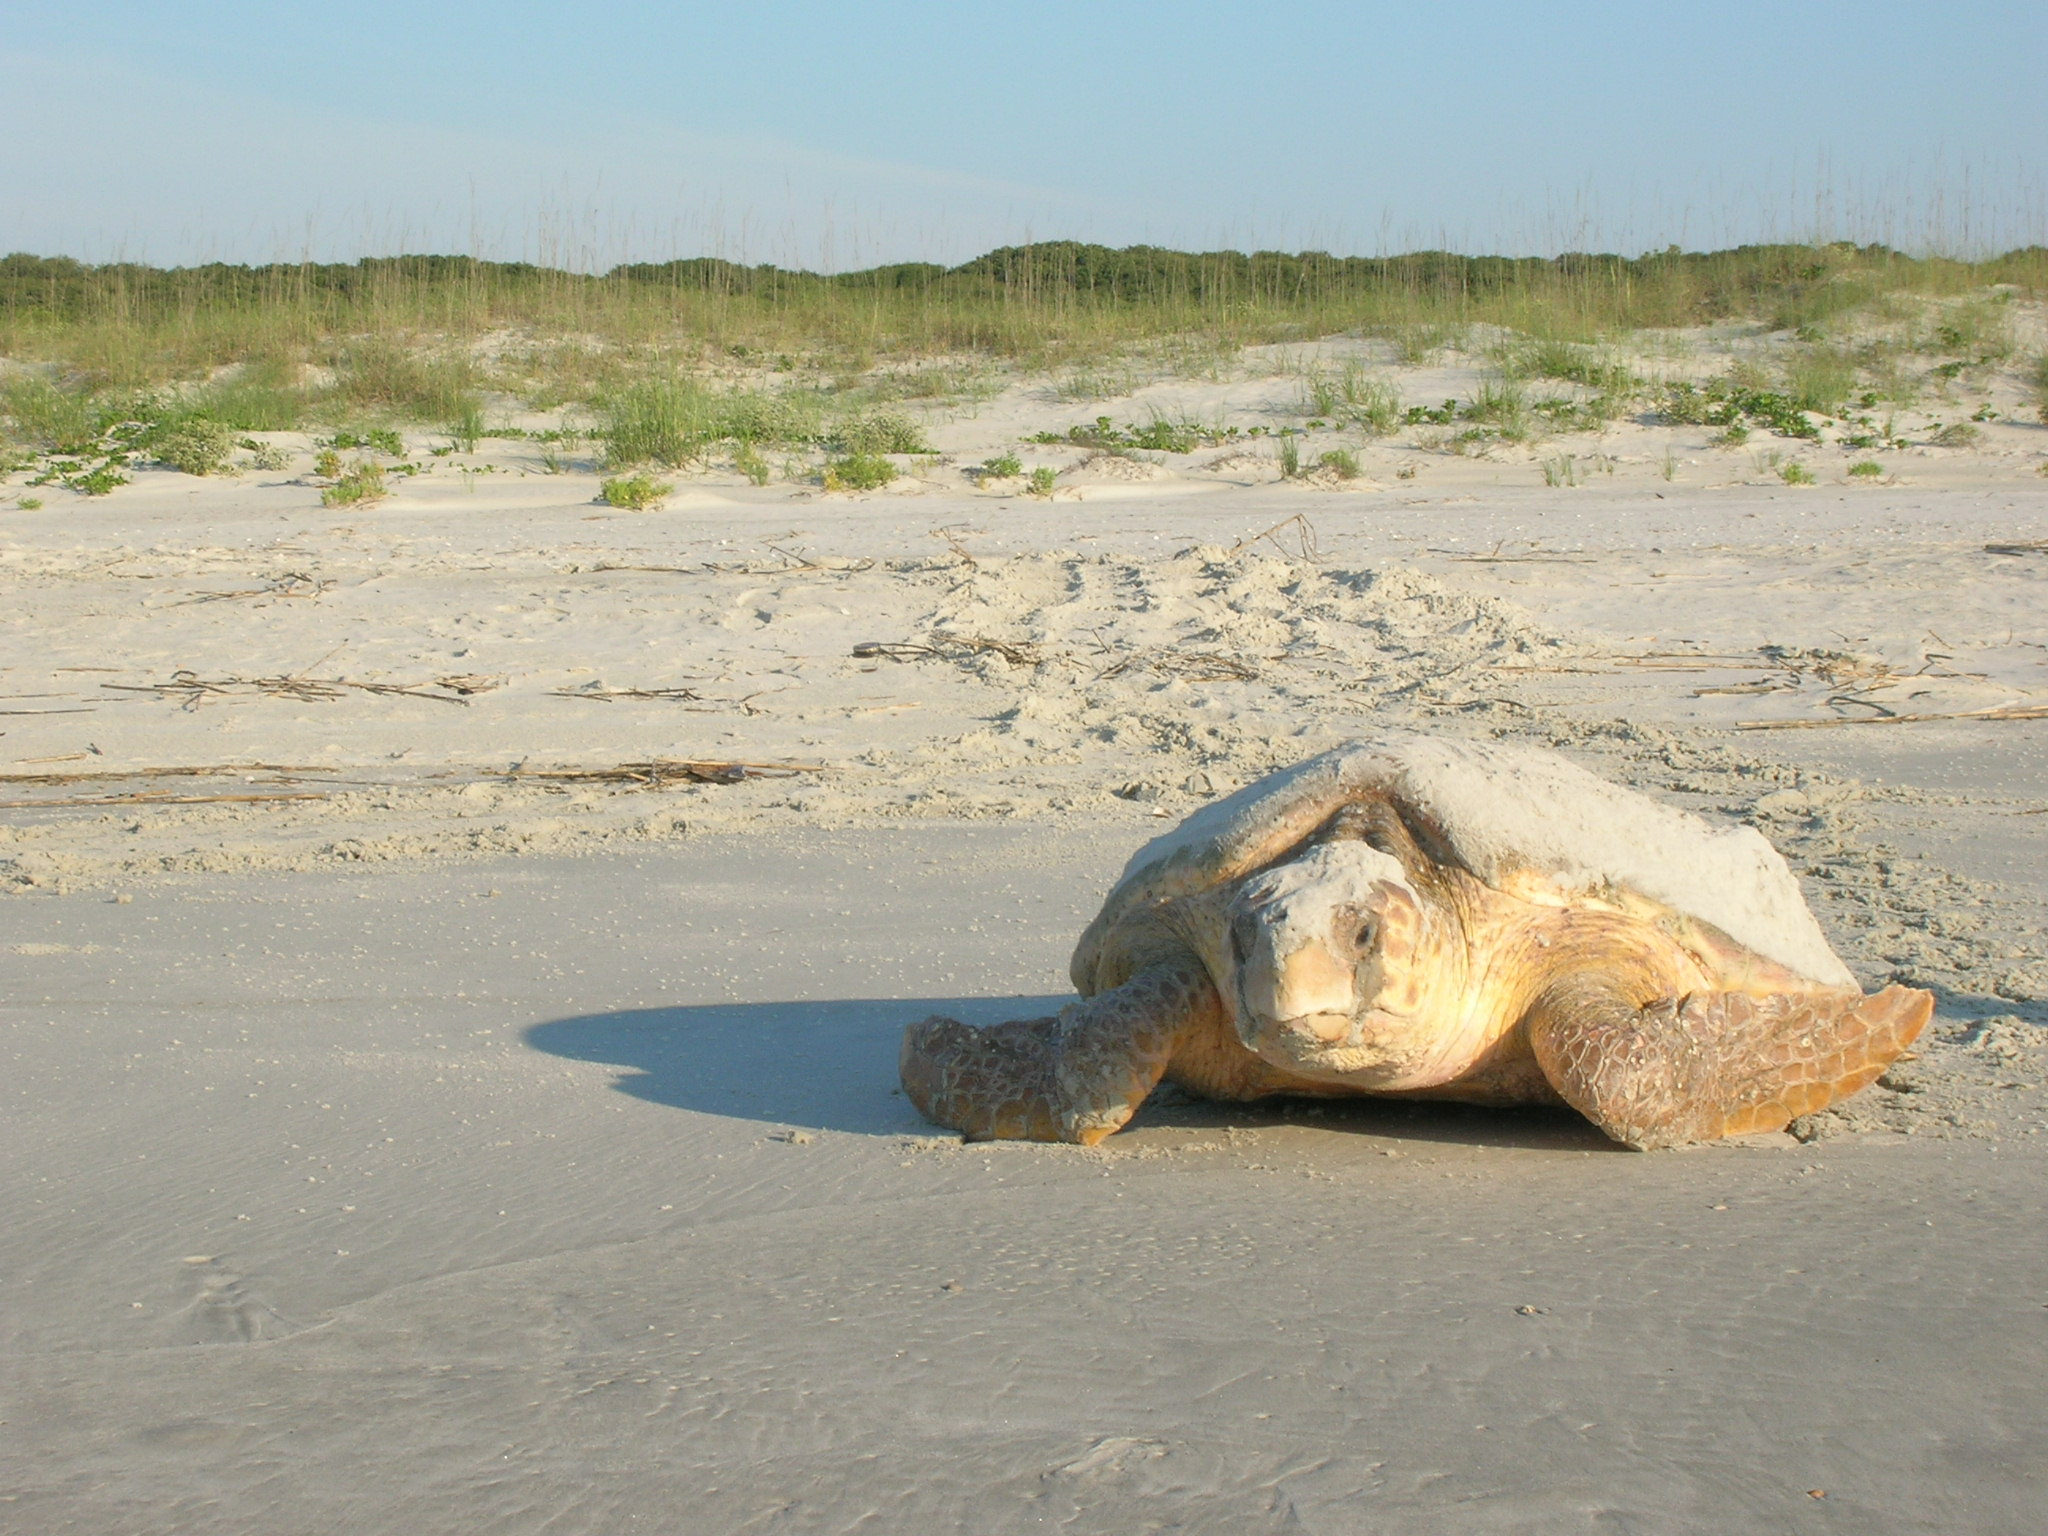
pixel 1368 934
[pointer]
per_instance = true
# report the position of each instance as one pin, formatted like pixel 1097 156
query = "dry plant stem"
pixel 1305 532
pixel 665 771
pixel 1999 712
pixel 194 690
pixel 146 798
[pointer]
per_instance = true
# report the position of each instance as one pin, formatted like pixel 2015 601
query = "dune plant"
pixel 636 493
pixel 1866 469
pixel 196 445
pixel 1042 481
pixel 1340 462
pixel 1795 473
pixel 360 484
pixel 859 472
pixel 881 432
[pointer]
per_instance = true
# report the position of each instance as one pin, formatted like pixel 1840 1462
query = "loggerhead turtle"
pixel 1422 918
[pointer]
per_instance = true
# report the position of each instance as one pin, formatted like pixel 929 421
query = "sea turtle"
pixel 1426 918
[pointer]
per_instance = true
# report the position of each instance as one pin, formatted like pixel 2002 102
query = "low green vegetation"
pixel 196 446
pixel 1042 481
pixel 1560 471
pixel 1004 466
pixel 748 461
pixel 1290 457
pixel 1958 434
pixel 1866 469
pixel 1731 405
pixel 636 493
pixel 1795 473
pixel 1161 434
pixel 29 503
pixel 859 472
pixel 359 484
pixel 1340 462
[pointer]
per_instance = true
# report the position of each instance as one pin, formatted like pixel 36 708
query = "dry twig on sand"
pixel 157 797
pixel 2030 547
pixel 289 584
pixel 1997 712
pixel 285 771
pixel 606 695
pixel 192 690
pixel 1535 556
pixel 1191 666
pixel 1305 532
pixel 946 646
pixel 665 771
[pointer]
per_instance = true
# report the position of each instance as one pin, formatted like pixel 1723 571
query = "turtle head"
pixel 1334 959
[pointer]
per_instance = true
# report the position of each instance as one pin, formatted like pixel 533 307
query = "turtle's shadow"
pixel 832 1065
pixel 829 1065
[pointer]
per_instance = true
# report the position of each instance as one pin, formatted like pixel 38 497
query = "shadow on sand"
pixel 832 1065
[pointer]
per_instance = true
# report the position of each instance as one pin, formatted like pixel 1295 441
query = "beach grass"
pixel 674 356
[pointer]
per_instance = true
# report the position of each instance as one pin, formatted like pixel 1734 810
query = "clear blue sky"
pixel 817 133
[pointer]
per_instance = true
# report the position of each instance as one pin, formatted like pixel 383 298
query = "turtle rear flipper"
pixel 1715 1064
pixel 1076 1076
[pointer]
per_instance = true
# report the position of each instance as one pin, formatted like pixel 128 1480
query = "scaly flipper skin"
pixel 1077 1076
pixel 1716 1063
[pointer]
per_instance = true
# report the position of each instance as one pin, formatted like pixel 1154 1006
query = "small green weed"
pixel 859 472
pixel 266 456
pixel 327 463
pixel 361 484
pixel 1340 462
pixel 1290 457
pixel 382 439
pixel 29 503
pixel 636 493
pixel 1867 469
pixel 1161 434
pixel 1795 473
pixel 196 446
pixel 748 461
pixel 1960 434
pixel 1561 471
pixel 1041 481
pixel 1731 403
pixel 2037 385
pixel 1004 466
pixel 468 425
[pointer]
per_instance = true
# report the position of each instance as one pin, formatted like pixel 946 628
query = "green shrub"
pixel 1041 481
pixel 1820 379
pixel 196 446
pixel 29 503
pixel 363 483
pixel 1957 435
pixel 1561 471
pixel 1795 473
pixel 267 456
pixel 1290 457
pixel 1004 466
pixel 859 472
pixel 1868 469
pixel 1341 463
pixel 881 432
pixel 388 376
pixel 636 493
pixel 2037 385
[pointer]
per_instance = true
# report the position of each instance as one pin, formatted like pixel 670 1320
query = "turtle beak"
pixel 1291 985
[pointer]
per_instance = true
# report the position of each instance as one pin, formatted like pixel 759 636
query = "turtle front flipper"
pixel 1714 1064
pixel 1076 1076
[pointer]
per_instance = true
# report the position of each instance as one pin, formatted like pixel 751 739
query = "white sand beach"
pixel 401 1138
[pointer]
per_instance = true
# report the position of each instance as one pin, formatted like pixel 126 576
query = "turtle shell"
pixel 1493 808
